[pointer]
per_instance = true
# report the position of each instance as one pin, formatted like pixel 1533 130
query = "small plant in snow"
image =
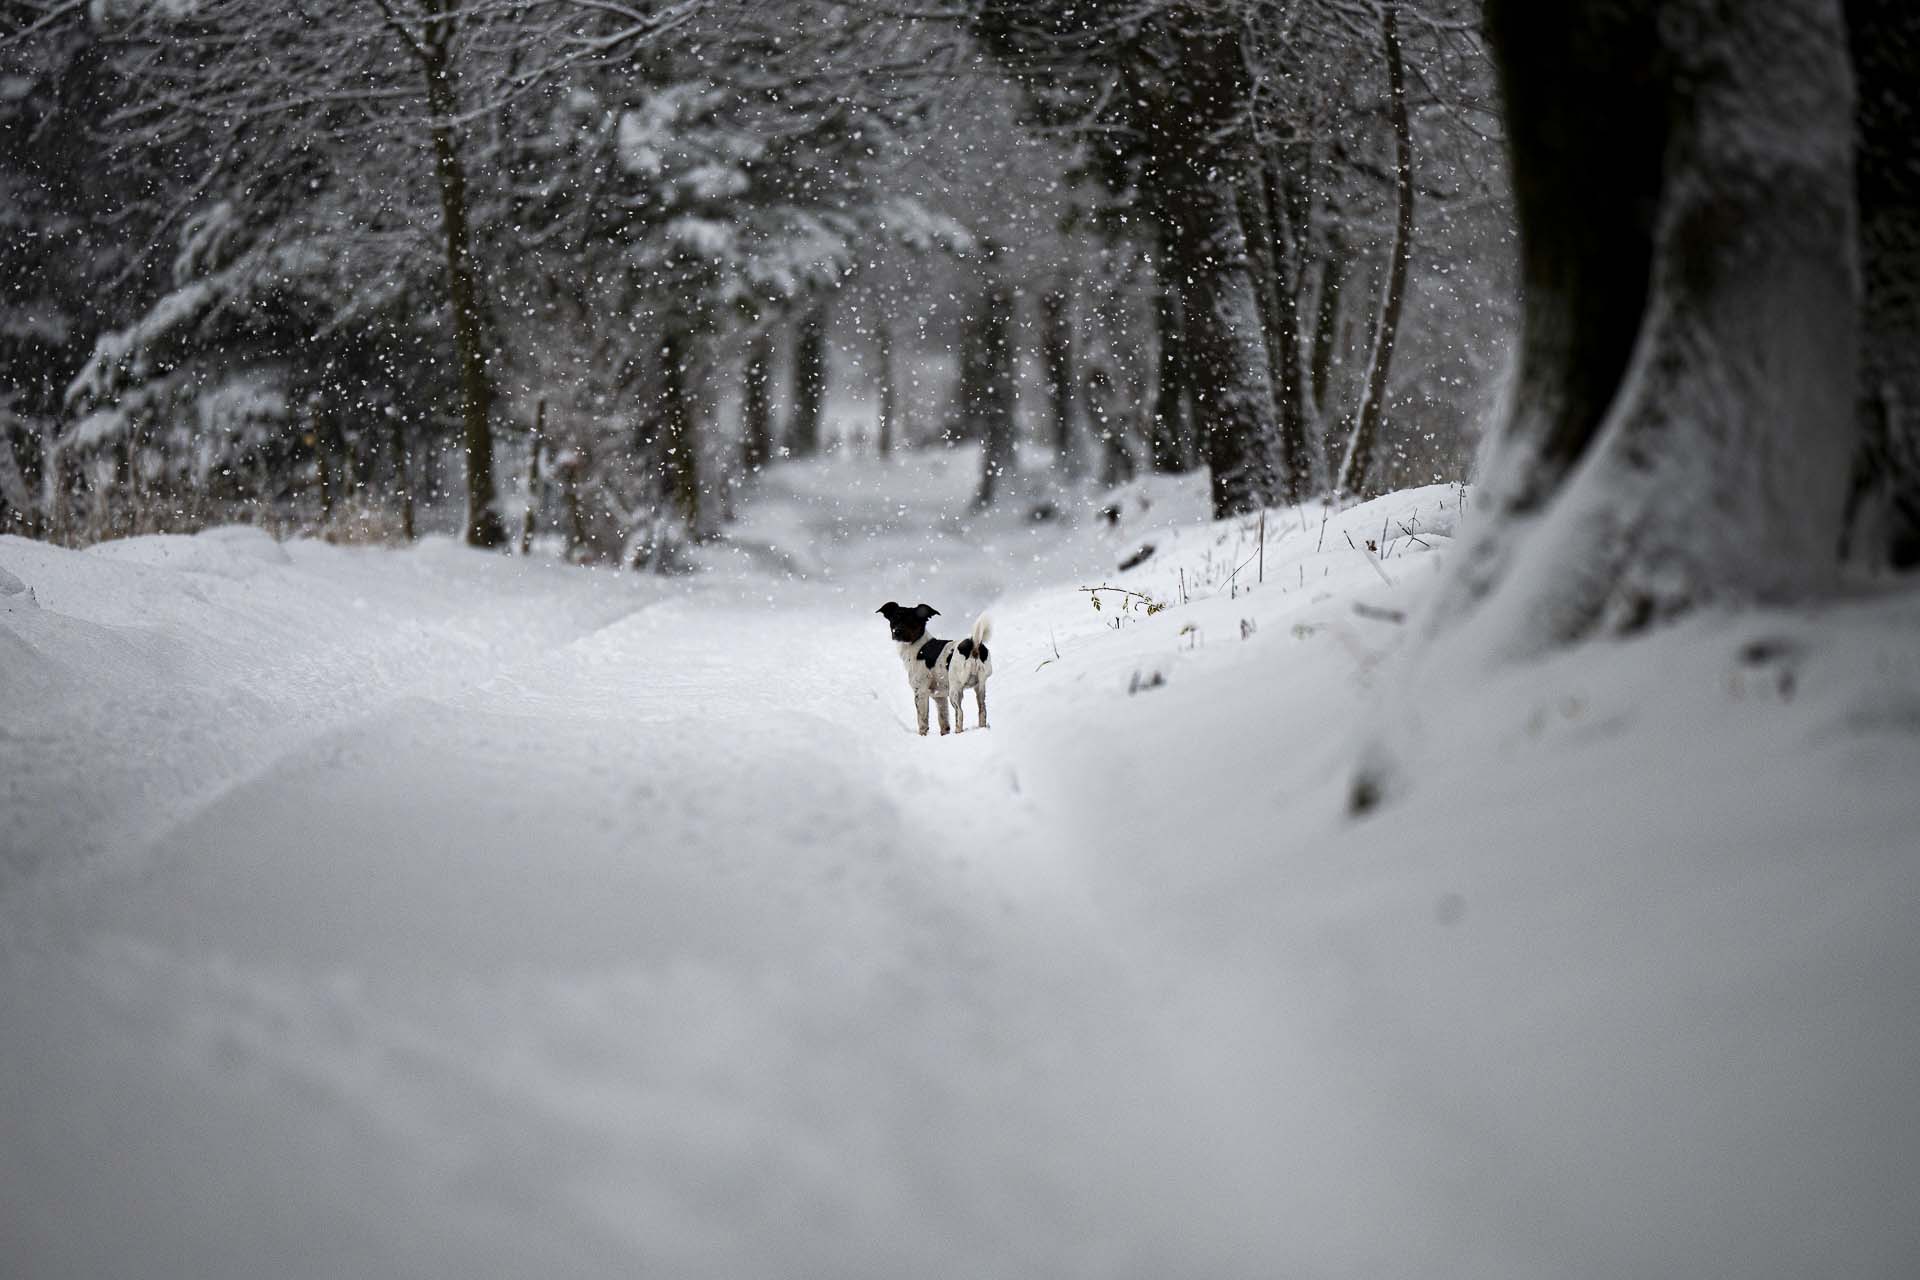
pixel 1128 602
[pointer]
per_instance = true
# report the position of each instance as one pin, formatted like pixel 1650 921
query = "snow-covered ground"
pixel 421 913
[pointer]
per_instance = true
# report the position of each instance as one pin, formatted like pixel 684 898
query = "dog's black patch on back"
pixel 966 648
pixel 930 652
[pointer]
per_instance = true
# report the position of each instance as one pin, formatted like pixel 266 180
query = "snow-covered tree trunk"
pixel 1885 517
pixel 1681 428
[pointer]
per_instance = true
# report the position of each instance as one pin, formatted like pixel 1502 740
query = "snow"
pixel 428 912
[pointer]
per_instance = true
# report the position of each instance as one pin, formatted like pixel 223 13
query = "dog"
pixel 940 671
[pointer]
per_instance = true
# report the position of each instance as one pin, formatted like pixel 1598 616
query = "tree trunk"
pixel 1884 516
pixel 1326 326
pixel 1226 352
pixel 889 394
pixel 1056 352
pixel 756 407
pixel 528 520
pixel 397 444
pixel 484 526
pixel 1279 269
pixel 1683 181
pixel 16 503
pixel 1357 465
pixel 810 381
pixel 679 458
pixel 995 409
pixel 1103 423
pixel 1170 428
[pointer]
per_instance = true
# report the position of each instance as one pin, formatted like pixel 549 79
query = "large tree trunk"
pixel 809 381
pixel 1201 143
pixel 1679 430
pixel 484 528
pixel 1357 467
pixel 1884 523
pixel 1226 353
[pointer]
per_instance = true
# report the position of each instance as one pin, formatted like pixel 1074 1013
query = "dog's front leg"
pixel 980 696
pixel 920 709
pixel 945 727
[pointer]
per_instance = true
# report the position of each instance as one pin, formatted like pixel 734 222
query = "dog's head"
pixel 907 622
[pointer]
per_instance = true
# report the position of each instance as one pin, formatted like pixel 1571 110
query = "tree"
pixel 809 380
pixel 990 408
pixel 1056 355
pixel 1166 89
pixel 756 411
pixel 1884 37
pixel 1680 426
pixel 294 109
pixel 73 257
pixel 1356 467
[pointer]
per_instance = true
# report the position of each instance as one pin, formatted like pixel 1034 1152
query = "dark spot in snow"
pixel 1140 683
pixel 1365 795
pixel 1139 557
pixel 1767 649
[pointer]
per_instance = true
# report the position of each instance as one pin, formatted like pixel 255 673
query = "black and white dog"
pixel 940 670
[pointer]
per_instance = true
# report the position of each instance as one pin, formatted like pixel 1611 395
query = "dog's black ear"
pixel 928 611
pixel 889 608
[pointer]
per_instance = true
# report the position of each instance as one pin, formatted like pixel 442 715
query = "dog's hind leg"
pixel 980 696
pixel 960 711
pixel 920 709
pixel 945 726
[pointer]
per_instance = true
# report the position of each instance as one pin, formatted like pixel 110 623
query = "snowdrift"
pixel 423 912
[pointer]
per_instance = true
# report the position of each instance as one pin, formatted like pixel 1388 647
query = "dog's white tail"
pixel 982 631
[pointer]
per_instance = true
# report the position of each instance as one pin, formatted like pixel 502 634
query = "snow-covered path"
pixel 428 914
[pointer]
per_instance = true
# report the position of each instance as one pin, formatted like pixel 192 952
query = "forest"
pixel 583 270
